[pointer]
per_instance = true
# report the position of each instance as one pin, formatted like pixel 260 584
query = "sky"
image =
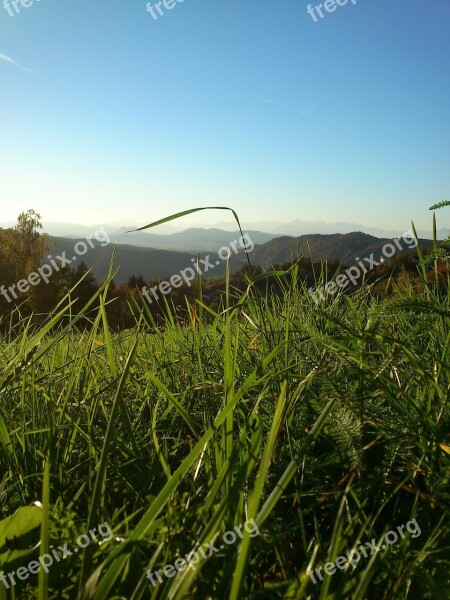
pixel 107 114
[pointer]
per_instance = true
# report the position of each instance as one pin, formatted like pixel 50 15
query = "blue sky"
pixel 108 114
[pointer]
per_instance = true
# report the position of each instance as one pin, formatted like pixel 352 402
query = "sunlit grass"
pixel 328 425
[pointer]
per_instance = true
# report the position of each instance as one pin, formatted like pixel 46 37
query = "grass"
pixel 327 425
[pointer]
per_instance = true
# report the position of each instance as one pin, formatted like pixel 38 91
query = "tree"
pixel 21 251
pixel 22 248
pixel 136 282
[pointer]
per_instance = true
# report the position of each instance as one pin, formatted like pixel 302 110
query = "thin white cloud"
pixel 267 101
pixel 12 62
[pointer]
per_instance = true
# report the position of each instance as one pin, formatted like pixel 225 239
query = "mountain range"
pixel 195 239
pixel 152 263
pixel 173 236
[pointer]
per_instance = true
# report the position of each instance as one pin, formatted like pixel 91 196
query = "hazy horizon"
pixel 294 228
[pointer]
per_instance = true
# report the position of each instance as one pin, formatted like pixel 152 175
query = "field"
pixel 307 430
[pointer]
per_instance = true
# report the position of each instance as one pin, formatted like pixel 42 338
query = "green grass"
pixel 328 425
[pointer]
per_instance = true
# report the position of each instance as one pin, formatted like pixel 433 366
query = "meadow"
pixel 326 425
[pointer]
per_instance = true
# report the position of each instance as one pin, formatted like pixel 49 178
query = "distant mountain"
pixel 173 236
pixel 192 240
pixel 152 263
pixel 298 227
pixel 77 230
pixel 167 238
pixel 133 260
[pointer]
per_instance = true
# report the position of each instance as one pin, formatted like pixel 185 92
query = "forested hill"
pixel 344 247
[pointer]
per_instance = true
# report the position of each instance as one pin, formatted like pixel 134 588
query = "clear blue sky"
pixel 108 114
